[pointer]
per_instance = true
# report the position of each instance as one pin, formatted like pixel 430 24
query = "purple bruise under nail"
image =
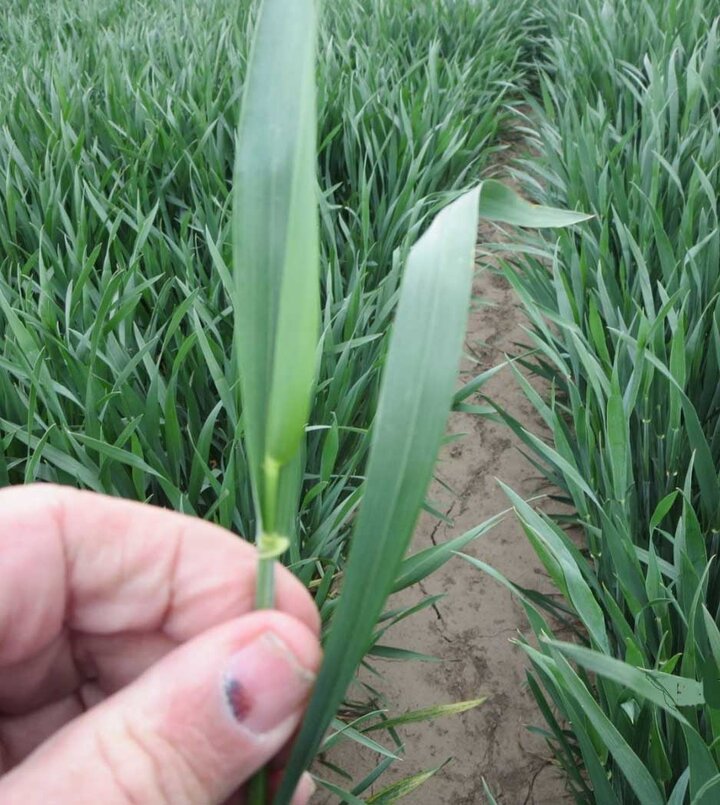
pixel 264 685
pixel 237 698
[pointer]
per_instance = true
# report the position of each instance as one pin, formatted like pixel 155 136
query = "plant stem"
pixel 265 592
pixel 257 789
pixel 265 583
pixel 264 599
pixel 265 587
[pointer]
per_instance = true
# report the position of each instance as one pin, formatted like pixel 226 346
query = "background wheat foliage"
pixel 625 325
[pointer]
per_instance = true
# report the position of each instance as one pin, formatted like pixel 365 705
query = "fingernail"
pixel 306 788
pixel 264 684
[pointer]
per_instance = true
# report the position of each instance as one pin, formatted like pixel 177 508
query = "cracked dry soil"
pixel 471 628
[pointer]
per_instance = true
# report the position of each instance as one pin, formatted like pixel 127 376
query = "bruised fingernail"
pixel 265 684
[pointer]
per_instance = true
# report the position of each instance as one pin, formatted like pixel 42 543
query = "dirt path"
pixel 470 629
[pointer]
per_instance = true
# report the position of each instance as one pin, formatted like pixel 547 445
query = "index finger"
pixel 81 561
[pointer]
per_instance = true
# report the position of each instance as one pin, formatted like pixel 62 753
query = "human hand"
pixel 132 668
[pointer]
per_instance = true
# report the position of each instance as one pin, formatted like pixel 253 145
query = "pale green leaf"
pixel 498 202
pixel 415 398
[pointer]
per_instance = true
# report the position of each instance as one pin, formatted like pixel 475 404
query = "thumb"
pixel 191 730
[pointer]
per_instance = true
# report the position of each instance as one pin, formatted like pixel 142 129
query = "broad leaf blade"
pixel 667 691
pixel 498 202
pixel 414 403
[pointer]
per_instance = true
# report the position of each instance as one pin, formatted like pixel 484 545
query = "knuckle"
pixel 144 767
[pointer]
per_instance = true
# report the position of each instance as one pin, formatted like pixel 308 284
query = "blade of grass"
pixel 413 407
pixel 276 258
pixel 402 788
pixel 426 714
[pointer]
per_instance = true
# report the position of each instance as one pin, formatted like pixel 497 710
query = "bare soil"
pixel 471 629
